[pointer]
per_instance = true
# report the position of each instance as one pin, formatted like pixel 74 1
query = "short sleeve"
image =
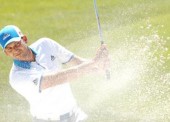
pixel 63 54
pixel 26 83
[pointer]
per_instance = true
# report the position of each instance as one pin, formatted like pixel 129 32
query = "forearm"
pixel 49 80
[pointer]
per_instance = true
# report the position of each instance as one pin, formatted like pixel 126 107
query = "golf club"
pixel 100 34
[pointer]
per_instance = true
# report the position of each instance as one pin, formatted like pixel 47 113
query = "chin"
pixel 18 58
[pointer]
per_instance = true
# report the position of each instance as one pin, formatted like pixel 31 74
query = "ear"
pixel 24 38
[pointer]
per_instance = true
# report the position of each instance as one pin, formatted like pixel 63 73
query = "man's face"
pixel 16 50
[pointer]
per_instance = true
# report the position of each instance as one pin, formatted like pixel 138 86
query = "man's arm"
pixel 83 67
pixel 52 79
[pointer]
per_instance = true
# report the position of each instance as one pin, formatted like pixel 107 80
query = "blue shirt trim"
pixel 72 56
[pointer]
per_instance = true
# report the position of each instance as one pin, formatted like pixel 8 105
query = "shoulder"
pixel 16 70
pixel 15 73
pixel 43 41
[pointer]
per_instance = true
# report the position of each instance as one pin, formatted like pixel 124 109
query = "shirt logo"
pixel 5 36
pixel 52 58
pixel 35 81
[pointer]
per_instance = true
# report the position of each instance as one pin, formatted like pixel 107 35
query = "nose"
pixel 15 51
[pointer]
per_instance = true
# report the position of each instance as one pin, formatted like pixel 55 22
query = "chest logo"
pixel 35 81
pixel 52 58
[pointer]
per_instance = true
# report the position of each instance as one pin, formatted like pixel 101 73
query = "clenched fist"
pixel 101 58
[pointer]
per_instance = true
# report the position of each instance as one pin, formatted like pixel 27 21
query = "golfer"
pixel 38 76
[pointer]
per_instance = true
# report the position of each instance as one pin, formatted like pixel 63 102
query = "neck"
pixel 31 56
pixel 28 56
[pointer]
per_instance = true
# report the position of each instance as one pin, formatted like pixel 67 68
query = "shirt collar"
pixel 24 64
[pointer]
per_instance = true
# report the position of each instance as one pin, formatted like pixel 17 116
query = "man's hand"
pixel 102 58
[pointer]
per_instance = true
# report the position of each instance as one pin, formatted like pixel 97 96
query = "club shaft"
pixel 98 22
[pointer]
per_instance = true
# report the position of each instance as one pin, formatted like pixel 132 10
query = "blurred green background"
pixel 137 33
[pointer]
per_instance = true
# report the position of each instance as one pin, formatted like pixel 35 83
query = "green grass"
pixel 137 34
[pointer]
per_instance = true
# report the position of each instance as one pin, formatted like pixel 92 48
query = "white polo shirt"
pixel 25 78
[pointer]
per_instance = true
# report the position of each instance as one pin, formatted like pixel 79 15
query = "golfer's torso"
pixel 52 101
pixel 55 100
